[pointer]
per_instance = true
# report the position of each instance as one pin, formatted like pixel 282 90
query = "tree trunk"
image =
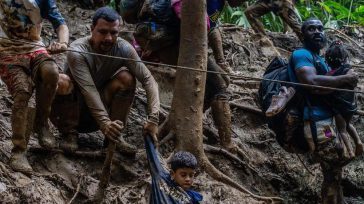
pixel 187 103
pixel 189 89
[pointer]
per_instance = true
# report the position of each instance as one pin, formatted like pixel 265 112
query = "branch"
pixel 247 108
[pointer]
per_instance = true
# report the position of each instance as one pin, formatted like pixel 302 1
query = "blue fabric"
pixel 196 197
pixel 214 8
pixel 164 189
pixel 49 11
pixel 304 58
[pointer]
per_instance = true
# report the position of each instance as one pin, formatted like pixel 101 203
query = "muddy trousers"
pixel 71 115
pixel 215 42
pixel 19 121
pixel 282 8
pixel 217 97
pixel 331 191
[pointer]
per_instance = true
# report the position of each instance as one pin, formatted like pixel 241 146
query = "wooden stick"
pixel 77 190
pixel 105 175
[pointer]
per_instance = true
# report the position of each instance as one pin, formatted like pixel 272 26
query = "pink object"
pixel 177 7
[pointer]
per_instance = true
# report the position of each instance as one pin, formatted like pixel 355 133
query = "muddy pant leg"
pixel 215 42
pixel 331 191
pixel 289 16
pixel 254 12
pixel 45 75
pixel 19 121
pixel 217 97
pixel 20 86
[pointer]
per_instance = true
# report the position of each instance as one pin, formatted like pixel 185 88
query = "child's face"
pixel 184 177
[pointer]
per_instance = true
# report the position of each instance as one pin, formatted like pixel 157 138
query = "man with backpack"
pixel 157 32
pixel 307 117
pixel 282 8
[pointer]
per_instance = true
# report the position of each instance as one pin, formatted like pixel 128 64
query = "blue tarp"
pixel 164 189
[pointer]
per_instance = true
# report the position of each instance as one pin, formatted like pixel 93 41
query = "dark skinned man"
pixel 308 67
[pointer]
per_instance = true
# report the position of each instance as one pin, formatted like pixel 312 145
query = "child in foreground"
pixel 183 169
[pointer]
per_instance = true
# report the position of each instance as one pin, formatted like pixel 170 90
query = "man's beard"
pixel 105 47
pixel 316 43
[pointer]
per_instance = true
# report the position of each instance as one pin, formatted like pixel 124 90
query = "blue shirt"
pixel 214 9
pixel 304 58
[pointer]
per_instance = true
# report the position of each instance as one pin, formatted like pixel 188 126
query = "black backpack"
pixel 278 70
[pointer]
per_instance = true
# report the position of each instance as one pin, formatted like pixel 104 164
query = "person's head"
pixel 235 3
pixel 104 29
pixel 336 55
pixel 129 10
pixel 183 166
pixel 313 34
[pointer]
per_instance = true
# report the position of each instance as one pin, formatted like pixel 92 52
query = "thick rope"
pixel 199 70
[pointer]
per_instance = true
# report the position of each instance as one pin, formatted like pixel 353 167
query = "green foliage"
pixel 334 14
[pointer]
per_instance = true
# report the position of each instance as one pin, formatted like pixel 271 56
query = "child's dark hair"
pixel 106 13
pixel 183 159
pixel 336 55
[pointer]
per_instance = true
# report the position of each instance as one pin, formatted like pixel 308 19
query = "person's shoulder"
pixel 122 42
pixel 301 52
pixel 81 43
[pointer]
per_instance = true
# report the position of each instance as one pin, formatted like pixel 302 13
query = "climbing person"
pixel 214 10
pixel 159 35
pixel 104 87
pixel 343 103
pixel 25 65
pixel 306 66
pixel 283 8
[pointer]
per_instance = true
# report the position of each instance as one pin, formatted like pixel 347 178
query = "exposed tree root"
pixel 95 154
pixel 360 112
pixel 219 150
pixel 169 136
pixel 346 37
pixel 219 176
pixel 77 190
pixel 247 108
pixel 247 84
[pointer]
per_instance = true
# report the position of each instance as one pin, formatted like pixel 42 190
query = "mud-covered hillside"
pixel 263 168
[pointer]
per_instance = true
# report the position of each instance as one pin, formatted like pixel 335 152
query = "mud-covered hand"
pixel 57 47
pixel 112 130
pixel 152 130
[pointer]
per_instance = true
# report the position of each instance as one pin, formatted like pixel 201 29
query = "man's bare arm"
pixel 308 75
pixel 63 37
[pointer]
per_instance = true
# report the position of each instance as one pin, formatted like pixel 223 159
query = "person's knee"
pixel 125 80
pixel 49 73
pixel 65 85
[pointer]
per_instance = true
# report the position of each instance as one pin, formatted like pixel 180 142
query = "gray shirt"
pixel 92 73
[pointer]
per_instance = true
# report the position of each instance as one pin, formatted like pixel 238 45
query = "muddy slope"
pixel 267 169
